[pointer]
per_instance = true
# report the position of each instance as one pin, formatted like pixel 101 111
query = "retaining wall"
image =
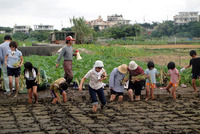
pixel 40 49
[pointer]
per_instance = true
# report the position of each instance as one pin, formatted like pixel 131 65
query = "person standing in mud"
pixel 174 78
pixel 13 61
pixel 4 47
pixel 134 83
pixel 96 76
pixel 195 63
pixel 115 82
pixel 30 74
pixel 67 53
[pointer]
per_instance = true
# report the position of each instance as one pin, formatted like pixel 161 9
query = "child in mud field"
pixel 195 63
pixel 96 76
pixel 30 74
pixel 174 78
pixel 13 62
pixel 115 85
pixel 151 74
pixel 59 86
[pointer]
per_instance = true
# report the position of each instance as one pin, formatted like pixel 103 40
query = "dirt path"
pixel 163 46
pixel 163 56
pixel 182 61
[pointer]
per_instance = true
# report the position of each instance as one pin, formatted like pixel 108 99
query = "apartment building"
pixel 43 27
pixel 186 17
pixel 21 28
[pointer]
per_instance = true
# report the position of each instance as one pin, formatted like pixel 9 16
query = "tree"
pixel 66 29
pixel 118 32
pixel 39 35
pixel 83 31
pixel 20 36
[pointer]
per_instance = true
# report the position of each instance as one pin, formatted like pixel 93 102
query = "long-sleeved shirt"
pixel 115 80
pixel 4 47
pixel 66 52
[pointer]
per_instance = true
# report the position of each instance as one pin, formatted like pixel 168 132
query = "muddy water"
pixel 162 115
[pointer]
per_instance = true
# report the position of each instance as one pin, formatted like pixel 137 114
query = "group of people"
pixel 130 74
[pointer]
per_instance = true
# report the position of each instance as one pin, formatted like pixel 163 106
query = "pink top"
pixel 174 75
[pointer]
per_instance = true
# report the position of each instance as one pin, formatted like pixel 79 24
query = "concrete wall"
pixel 41 49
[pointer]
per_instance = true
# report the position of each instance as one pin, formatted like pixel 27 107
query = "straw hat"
pixel 123 69
pixel 133 65
pixel 98 63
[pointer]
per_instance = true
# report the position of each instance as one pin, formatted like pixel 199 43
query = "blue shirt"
pixel 152 73
pixel 115 80
pixel 4 47
pixel 13 57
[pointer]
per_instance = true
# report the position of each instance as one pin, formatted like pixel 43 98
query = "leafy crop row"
pixel 111 56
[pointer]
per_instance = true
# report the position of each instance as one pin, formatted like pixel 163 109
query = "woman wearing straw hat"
pixel 96 76
pixel 115 85
pixel 134 83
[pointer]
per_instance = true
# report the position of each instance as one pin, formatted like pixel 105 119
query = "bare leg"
pixel 174 92
pixel 10 83
pixel 17 86
pixel 64 94
pixel 30 92
pixel 168 87
pixel 54 100
pixel 94 108
pixel 130 94
pixel 35 94
pixel 120 99
pixel 152 93
pixel 194 85
pixel 112 97
pixel 147 92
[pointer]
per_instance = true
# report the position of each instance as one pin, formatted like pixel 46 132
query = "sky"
pixel 59 12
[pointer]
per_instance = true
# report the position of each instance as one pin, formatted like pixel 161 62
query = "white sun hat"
pixel 98 63
pixel 133 65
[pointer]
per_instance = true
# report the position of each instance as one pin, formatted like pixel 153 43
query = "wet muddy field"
pixel 162 115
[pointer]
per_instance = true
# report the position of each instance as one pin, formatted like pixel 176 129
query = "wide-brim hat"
pixel 133 65
pixel 98 63
pixel 122 68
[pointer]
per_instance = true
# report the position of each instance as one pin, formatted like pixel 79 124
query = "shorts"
pixel 30 83
pixel 116 93
pixel 194 76
pixel 136 87
pixel 53 93
pixel 173 84
pixel 14 71
pixel 152 85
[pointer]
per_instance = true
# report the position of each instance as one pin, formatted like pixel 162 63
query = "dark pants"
pixel 100 94
pixel 67 65
pixel 136 87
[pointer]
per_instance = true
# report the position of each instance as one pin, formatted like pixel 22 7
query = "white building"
pixel 118 19
pixel 111 21
pixel 43 27
pixel 21 28
pixel 186 17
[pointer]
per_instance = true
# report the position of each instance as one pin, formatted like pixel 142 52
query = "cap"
pixel 123 68
pixel 69 38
